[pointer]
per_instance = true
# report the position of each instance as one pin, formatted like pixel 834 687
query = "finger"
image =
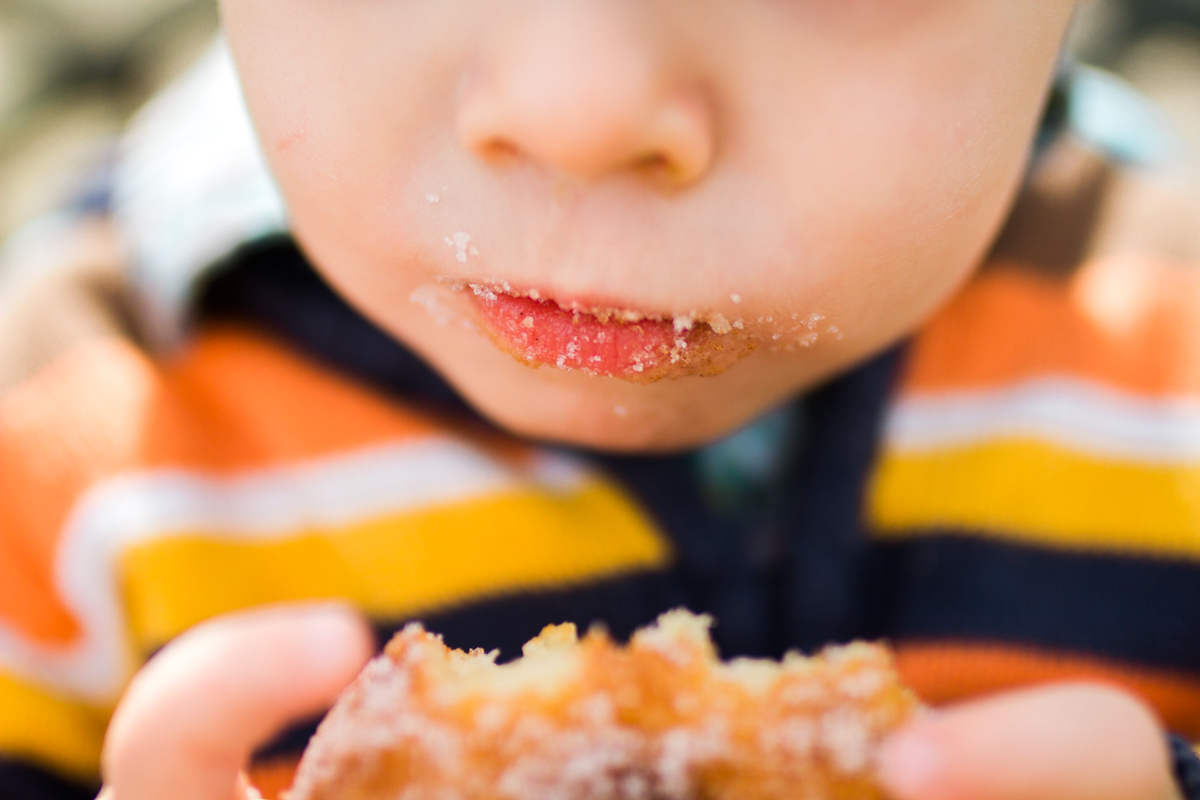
pixel 1064 742
pixel 244 789
pixel 195 712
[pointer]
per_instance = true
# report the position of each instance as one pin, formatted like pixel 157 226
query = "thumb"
pixel 1065 742
pixel 195 712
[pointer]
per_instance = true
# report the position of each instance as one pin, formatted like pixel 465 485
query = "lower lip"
pixel 540 332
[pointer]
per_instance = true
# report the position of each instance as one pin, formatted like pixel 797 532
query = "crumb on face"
pixel 650 155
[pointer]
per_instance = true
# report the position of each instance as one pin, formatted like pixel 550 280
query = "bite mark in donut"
pixel 659 719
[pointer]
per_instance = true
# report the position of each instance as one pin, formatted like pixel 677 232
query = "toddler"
pixel 833 319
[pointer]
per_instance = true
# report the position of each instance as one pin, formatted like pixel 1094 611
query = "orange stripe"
pixel 945 673
pixel 238 401
pixel 70 425
pixel 1130 323
pixel 233 401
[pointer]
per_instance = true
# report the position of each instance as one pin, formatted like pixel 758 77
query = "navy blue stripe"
pixel 824 544
pixel 20 780
pixel 949 585
pixel 1185 765
pixel 716 571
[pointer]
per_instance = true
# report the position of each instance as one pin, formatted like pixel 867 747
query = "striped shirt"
pixel 1010 496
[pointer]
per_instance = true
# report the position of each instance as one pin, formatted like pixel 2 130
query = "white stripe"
pixel 1074 414
pixel 264 505
pixel 190 186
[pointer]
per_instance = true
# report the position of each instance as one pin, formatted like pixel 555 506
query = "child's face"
pixel 774 189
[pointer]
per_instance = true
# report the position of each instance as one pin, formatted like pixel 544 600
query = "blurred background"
pixel 72 71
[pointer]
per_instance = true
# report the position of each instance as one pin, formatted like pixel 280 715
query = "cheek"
pixel 917 215
pixel 900 152
pixel 347 106
pixel 883 170
pixel 895 194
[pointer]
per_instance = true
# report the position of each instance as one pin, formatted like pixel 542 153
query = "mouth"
pixel 599 340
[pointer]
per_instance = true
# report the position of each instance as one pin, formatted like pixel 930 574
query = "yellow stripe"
pixel 43 728
pixel 1041 494
pixel 394 566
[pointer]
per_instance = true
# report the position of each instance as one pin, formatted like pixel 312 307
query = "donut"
pixel 661 718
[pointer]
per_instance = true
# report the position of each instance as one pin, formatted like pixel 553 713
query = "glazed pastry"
pixel 661 718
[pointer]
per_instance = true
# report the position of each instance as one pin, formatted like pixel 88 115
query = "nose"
pixel 578 87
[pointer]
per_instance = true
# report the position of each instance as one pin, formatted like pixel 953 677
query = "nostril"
pixel 498 151
pixel 651 162
pixel 556 108
pixel 658 169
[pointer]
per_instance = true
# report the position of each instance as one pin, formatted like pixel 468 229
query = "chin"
pixel 610 414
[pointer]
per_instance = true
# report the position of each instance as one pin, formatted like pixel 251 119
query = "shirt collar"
pixel 190 187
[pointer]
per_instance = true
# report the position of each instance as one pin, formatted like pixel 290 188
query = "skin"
pixel 193 715
pixel 846 158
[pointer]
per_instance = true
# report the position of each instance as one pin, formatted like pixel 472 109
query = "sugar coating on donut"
pixel 658 719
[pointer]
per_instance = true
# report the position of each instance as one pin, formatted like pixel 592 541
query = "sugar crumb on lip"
pixel 689 345
pixel 682 323
pixel 602 340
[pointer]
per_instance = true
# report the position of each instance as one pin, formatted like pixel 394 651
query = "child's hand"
pixel 196 711
pixel 1063 742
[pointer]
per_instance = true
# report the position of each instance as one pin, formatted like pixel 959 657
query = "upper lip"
pixel 617 313
pixel 598 307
